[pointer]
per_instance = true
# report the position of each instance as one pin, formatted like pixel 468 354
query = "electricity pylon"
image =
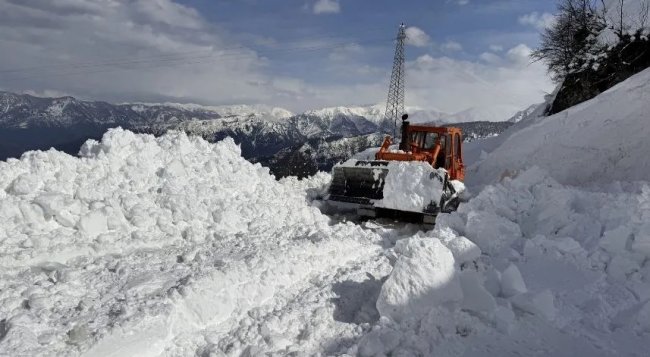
pixel 395 102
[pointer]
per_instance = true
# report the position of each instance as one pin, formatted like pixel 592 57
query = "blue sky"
pixel 298 54
pixel 475 26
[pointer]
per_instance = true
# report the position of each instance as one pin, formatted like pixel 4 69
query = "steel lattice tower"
pixel 395 102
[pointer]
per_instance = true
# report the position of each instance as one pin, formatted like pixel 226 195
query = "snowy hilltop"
pixel 171 245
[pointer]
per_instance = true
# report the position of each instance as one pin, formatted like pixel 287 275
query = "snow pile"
pixel 600 141
pixel 144 242
pixel 136 190
pixel 412 186
pixel 572 278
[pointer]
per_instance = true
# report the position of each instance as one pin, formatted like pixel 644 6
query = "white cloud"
pixel 156 51
pixel 327 7
pixel 520 54
pixel 496 48
pixel 454 85
pixel 416 37
pixel 169 13
pixel 489 57
pixel 537 20
pixel 451 46
pixel 144 50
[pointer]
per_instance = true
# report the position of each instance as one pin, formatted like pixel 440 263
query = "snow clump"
pixel 412 186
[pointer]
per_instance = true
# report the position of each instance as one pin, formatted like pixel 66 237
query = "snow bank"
pixel 135 190
pixel 412 186
pixel 600 141
pixel 574 269
pixel 143 242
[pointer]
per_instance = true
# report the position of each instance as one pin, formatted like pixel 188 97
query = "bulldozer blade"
pixel 361 184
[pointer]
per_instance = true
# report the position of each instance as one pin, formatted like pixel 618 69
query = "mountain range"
pixel 290 144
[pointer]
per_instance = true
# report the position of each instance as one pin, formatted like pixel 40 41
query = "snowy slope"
pixel 531 266
pixel 602 140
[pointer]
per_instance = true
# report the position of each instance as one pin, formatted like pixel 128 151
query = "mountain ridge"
pixel 266 134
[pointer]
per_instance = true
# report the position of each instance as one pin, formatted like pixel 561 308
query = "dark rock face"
pixel 628 57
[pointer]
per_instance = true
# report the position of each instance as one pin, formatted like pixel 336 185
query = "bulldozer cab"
pixel 441 146
pixel 422 141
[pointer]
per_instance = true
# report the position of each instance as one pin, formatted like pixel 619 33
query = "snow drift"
pixel 600 141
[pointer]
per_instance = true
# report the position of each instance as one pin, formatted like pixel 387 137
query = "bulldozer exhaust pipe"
pixel 405 144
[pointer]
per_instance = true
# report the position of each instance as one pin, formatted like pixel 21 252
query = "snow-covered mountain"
pixel 26 111
pixel 375 113
pixel 266 134
pixel 523 114
pixel 601 140
pixel 267 112
pixel 28 122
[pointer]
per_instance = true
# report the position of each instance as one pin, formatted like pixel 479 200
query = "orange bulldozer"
pixel 361 183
